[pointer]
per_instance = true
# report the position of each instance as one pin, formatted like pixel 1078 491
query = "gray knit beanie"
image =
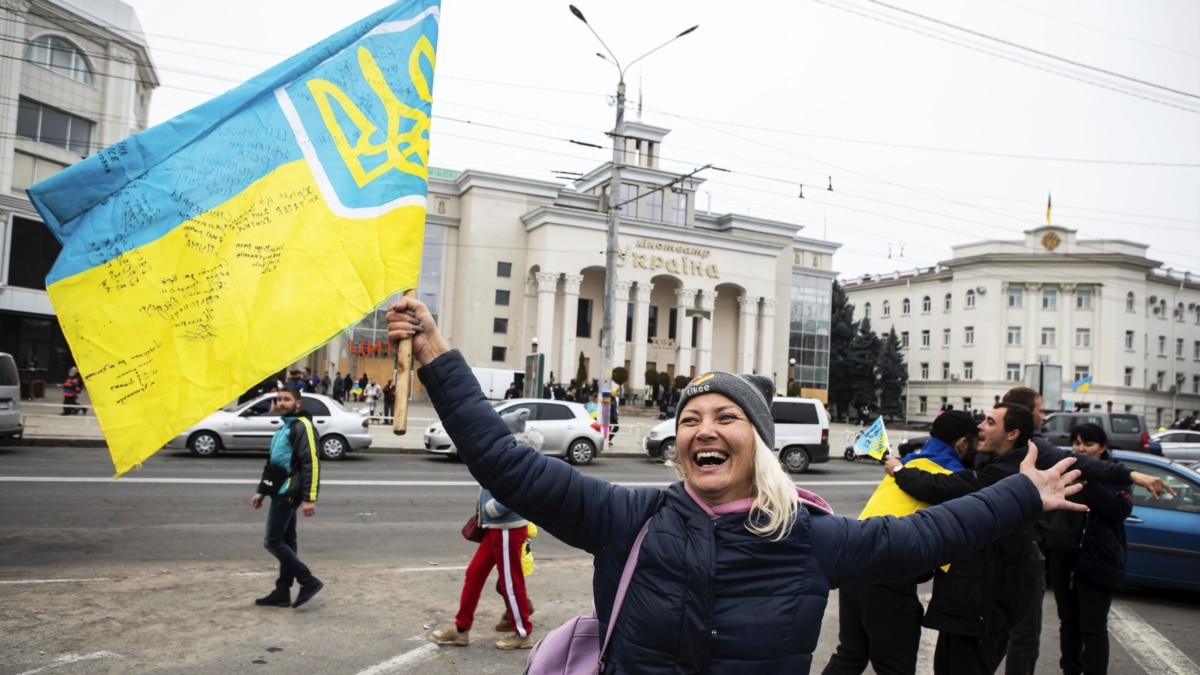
pixel 752 393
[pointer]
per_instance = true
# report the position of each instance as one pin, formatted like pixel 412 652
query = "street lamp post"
pixel 607 347
pixel 791 376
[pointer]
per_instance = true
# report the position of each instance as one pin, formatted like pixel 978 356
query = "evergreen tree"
pixel 892 374
pixel 864 355
pixel 841 333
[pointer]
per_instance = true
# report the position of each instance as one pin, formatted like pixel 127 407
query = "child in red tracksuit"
pixel 503 545
pixel 504 536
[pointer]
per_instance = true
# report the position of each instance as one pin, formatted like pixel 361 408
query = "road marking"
pixel 1149 648
pixel 404 661
pixel 68 659
pixel 51 581
pixel 369 483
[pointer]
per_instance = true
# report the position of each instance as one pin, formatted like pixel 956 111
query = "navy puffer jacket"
pixel 708 596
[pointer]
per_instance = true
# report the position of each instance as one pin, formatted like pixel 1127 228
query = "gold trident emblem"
pixel 399 146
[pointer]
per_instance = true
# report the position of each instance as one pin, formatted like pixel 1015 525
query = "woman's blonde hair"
pixel 776 503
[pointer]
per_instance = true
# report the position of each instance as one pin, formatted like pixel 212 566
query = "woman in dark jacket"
pixel 736 566
pixel 1086 554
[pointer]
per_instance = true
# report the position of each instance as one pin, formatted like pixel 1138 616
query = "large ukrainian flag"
pixel 203 254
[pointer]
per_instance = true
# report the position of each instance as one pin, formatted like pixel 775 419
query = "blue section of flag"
pixel 223 142
pixel 1082 384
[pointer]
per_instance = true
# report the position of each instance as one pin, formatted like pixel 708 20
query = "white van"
pixel 801 434
pixel 10 398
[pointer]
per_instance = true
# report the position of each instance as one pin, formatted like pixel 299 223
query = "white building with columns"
pixel 1097 308
pixel 511 259
pixel 76 77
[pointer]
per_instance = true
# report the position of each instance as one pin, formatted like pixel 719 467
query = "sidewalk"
pixel 45 425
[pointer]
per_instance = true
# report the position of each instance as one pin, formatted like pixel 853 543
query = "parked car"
pixel 568 429
pixel 1163 535
pixel 801 434
pixel 250 426
pixel 10 398
pixel 1178 443
pixel 1125 431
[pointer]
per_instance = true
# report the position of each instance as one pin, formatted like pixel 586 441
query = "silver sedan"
pixel 568 429
pixel 251 425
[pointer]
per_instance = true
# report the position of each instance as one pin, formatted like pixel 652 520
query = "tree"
pixel 681 381
pixel 863 356
pixel 891 374
pixel 620 376
pixel 652 382
pixel 841 333
pixel 581 375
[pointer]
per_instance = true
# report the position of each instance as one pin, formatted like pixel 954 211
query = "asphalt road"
pixel 156 572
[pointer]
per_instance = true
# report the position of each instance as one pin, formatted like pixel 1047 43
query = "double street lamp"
pixel 607 345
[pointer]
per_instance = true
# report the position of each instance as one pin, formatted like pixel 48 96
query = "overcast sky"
pixel 938 129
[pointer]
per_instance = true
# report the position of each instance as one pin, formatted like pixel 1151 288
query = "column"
pixel 12 23
pixel 1033 332
pixel 704 343
pixel 1066 308
pixel 569 362
pixel 747 322
pixel 685 299
pixel 620 312
pixel 547 287
pixel 641 334
pixel 766 337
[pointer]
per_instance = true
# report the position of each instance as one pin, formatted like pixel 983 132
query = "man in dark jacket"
pixel 291 479
pixel 976 602
pixel 880 624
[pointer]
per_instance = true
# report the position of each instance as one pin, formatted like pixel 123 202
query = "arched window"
pixel 1179 312
pixel 948 297
pixel 887 308
pixel 926 304
pixel 60 56
pixel 905 307
pixel 867 311
pixel 970 297
pixel 1129 301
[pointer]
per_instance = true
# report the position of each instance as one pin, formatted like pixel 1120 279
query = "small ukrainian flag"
pixel 1082 384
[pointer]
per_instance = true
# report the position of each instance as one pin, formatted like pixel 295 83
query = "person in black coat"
pixel 979 598
pixel 1086 553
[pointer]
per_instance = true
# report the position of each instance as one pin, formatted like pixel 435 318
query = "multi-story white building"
pixel 510 259
pixel 1097 308
pixel 75 77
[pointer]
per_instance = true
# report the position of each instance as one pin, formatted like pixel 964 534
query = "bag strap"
pixel 626 575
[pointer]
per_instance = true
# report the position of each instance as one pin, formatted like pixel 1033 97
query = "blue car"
pixel 1163 535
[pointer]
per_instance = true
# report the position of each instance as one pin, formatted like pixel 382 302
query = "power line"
pixel 1037 52
pixel 1027 63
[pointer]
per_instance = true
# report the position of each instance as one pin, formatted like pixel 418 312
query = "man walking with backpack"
pixel 291 479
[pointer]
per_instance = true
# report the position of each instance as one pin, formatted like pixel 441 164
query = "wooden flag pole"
pixel 402 378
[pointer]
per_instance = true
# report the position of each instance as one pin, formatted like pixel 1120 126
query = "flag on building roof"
pixel 212 250
pixel 874 440
pixel 1082 384
pixel 1047 208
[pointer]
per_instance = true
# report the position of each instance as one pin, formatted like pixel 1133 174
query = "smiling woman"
pixel 736 563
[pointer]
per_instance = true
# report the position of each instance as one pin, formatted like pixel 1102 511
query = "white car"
pixel 251 425
pixel 801 434
pixel 1181 444
pixel 568 429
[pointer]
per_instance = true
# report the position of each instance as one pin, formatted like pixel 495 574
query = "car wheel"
pixel 581 451
pixel 333 448
pixel 667 450
pixel 795 460
pixel 204 444
pixel 851 455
